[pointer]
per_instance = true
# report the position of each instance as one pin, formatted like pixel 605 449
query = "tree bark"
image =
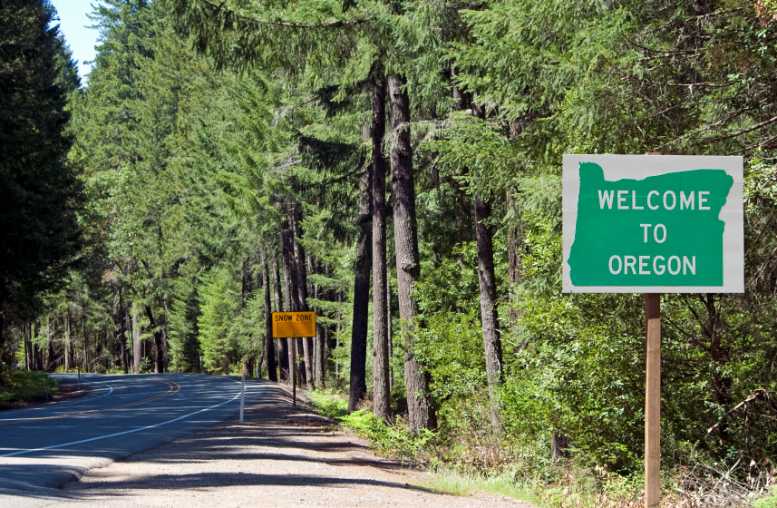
pixel 137 353
pixel 37 351
pixel 720 354
pixel 120 324
pixel 489 318
pixel 269 344
pixel 283 356
pixel 50 355
pixel 319 347
pixel 380 338
pixel 361 295
pixel 85 333
pixel 320 352
pixel 2 332
pixel 290 279
pixel 559 446
pixel 68 340
pixel 301 272
pixel 420 410
pixel 28 360
pixel 159 366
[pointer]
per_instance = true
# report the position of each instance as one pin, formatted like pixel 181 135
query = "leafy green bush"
pixel 393 440
pixel 24 386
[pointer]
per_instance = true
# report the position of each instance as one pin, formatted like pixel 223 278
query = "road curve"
pixel 45 446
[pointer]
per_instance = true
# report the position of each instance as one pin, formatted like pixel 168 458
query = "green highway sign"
pixel 652 224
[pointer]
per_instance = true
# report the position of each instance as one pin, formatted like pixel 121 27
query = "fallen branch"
pixel 757 395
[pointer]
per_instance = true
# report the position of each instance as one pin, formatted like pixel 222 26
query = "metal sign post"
pixel 293 370
pixel 292 326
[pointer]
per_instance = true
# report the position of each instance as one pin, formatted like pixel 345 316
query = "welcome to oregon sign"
pixel 652 224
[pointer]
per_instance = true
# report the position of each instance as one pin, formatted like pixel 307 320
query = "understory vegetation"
pixel 22 386
pixel 396 167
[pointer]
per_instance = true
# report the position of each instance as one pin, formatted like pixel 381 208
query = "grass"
pixel 396 441
pixel 457 484
pixel 573 488
pixel 566 484
pixel 392 440
pixel 767 502
pixel 22 386
pixel 328 403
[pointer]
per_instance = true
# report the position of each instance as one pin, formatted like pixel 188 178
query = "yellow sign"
pixel 293 324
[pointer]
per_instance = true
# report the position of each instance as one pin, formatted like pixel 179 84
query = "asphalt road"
pixel 45 446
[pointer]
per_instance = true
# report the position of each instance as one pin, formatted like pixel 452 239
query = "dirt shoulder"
pixel 280 457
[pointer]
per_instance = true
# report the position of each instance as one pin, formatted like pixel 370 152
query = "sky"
pixel 74 25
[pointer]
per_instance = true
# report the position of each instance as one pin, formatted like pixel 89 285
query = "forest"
pixel 394 166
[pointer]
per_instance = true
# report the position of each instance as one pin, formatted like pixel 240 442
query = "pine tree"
pixel 39 192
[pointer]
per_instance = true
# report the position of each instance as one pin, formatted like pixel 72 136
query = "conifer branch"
pixel 286 23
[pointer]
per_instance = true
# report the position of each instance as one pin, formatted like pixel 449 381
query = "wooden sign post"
pixel 652 224
pixel 652 400
pixel 293 325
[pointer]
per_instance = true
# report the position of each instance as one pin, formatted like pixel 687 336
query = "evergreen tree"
pixel 39 191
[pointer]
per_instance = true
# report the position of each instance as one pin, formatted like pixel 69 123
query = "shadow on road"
pixel 273 431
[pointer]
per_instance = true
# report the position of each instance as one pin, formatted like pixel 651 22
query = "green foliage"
pixel 219 306
pixel 184 327
pixel 769 501
pixel 39 192
pixel 203 123
pixel 22 386
pixel 457 484
pixel 394 440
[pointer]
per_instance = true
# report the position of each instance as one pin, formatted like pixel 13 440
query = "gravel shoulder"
pixel 280 457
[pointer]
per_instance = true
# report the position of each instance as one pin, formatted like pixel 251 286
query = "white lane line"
pixel 117 434
pixel 110 391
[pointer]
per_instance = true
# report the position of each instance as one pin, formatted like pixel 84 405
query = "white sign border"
pixel 638 167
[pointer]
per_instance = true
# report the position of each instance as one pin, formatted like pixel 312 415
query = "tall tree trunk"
pixel 420 410
pixel 68 339
pixel 85 334
pixel 292 297
pixel 338 329
pixel 246 281
pixel 120 327
pixel 301 272
pixel 28 360
pixel 137 353
pixel 380 337
pixel 51 361
pixel 361 296
pixel 319 348
pixel 269 344
pixel 489 319
pixel 165 313
pixel 281 305
pixel 720 353
pixel 37 351
pixel 125 350
pixel 159 365
pixel 2 331
pixel 389 336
